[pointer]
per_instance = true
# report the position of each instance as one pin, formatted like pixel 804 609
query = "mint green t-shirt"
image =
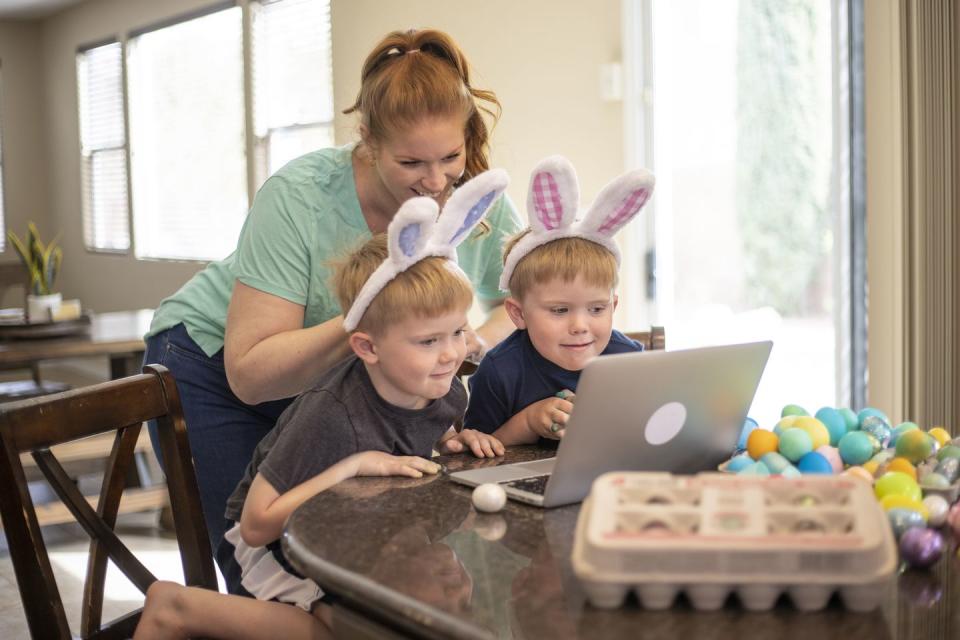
pixel 305 215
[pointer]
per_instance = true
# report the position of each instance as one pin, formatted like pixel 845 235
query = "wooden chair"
pixel 655 338
pixel 120 406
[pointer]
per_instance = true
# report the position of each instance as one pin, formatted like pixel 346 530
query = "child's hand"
pixel 548 417
pixel 379 463
pixel 483 445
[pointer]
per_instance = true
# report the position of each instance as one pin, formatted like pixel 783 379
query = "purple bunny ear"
pixel 410 229
pixel 467 206
pixel 554 195
pixel 618 203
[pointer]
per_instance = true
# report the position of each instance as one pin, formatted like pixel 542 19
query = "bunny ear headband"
pixel 552 205
pixel 416 232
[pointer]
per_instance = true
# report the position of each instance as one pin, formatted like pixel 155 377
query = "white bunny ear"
pixel 618 203
pixel 410 230
pixel 554 195
pixel 467 206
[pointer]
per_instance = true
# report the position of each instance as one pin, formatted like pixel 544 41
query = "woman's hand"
pixel 548 417
pixel 476 345
pixel 379 463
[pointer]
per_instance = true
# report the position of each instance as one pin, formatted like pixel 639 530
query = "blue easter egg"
pixel 878 428
pixel 738 462
pixel 870 411
pixel 836 425
pixel 856 447
pixel 775 462
pixel 814 462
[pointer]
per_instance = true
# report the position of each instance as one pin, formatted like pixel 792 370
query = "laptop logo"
pixel 665 423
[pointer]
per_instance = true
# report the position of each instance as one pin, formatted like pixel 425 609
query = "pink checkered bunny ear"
pixel 617 204
pixel 554 195
pixel 416 233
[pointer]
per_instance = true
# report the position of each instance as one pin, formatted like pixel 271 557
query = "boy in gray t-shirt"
pixel 379 412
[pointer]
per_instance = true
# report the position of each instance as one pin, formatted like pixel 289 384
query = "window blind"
pixel 187 149
pixel 292 81
pixel 106 214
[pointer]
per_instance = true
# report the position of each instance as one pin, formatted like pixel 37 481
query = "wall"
pixel 542 61
pixel 24 135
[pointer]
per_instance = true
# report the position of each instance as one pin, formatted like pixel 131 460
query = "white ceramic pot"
pixel 41 308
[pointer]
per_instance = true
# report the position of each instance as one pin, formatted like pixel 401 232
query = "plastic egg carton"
pixel 711 534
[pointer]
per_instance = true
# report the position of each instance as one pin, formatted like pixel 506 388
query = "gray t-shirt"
pixel 342 415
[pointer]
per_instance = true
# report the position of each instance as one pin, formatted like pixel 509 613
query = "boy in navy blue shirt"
pixel 562 276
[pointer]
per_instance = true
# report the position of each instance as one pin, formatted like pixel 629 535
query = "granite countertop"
pixel 416 553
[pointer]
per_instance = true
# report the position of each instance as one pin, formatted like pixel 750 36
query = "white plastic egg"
pixel 489 497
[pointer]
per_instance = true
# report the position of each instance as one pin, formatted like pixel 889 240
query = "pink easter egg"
pixel 832 454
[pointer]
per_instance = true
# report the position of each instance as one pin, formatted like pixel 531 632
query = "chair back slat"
pixel 121 406
pixel 114 480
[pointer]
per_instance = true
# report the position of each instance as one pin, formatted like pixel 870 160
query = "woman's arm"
pixel 268 354
pixel 494 329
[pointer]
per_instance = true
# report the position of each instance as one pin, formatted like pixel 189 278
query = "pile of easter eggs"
pixel 915 473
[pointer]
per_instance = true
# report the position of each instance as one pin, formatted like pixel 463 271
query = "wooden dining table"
pixel 413 558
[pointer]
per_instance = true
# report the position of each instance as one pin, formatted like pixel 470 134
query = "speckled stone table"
pixel 411 558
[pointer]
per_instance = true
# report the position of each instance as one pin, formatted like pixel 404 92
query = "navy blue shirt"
pixel 513 375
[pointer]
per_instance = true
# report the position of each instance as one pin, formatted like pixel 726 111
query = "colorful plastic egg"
pixel 941 435
pixel 855 447
pixel 870 411
pixel 897 501
pixel 860 473
pixel 819 435
pixel 834 422
pixel 761 441
pixel 949 468
pixel 793 410
pixel 948 451
pixel 915 446
pixel 737 463
pixel 904 465
pixel 775 462
pixel 871 467
pixel 755 469
pixel 937 508
pixel 814 462
pixel 903 519
pixel 850 418
pixel 794 444
pixel 921 548
pixel 935 480
pixel 878 428
pixel 832 454
pixel 790 472
pixel 783 424
pixel 749 424
pixel 895 482
pixel 900 429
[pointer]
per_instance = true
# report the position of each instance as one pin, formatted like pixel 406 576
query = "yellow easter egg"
pixel 941 435
pixel 818 432
pixel 784 423
pixel 904 465
pixel 900 501
pixel 871 466
pixel 761 441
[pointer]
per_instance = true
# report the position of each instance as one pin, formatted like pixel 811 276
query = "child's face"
pixel 417 358
pixel 568 322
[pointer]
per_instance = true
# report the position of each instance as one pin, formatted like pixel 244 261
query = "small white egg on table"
pixel 489 497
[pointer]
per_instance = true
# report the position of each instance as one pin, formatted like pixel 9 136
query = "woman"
pixel 246 334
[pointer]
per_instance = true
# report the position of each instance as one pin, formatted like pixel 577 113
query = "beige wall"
pixel 25 176
pixel 542 61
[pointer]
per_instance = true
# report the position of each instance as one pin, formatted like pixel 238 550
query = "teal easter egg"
pixel 737 463
pixel 793 410
pixel 790 472
pixel 900 429
pixel 794 444
pixel 775 462
pixel 870 411
pixel 755 469
pixel 850 418
pixel 814 462
pixel 836 425
pixel 855 447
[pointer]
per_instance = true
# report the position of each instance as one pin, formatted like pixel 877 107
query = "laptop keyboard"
pixel 534 484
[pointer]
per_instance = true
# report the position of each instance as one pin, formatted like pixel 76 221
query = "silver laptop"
pixel 678 411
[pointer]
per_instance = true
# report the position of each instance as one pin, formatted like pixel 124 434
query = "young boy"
pixel 379 412
pixel 562 276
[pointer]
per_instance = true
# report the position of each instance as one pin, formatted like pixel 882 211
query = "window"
pixel 103 148
pixel 186 159
pixel 742 112
pixel 292 76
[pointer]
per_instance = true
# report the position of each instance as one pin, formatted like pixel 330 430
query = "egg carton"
pixel 711 534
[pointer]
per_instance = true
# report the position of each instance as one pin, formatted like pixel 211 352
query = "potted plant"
pixel 43 265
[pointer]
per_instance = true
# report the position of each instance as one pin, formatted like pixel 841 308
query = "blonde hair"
pixel 564 258
pixel 413 74
pixel 428 288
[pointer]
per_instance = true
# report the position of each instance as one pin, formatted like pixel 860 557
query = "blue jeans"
pixel 223 431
